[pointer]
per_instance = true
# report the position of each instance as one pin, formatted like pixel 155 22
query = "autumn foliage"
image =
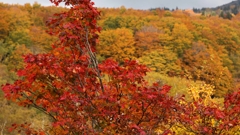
pixel 82 96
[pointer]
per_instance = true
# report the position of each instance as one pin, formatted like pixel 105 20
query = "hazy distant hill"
pixel 226 11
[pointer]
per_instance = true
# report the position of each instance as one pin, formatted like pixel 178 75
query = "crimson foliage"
pixel 84 97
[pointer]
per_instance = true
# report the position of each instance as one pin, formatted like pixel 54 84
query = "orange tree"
pixel 84 97
pixel 205 65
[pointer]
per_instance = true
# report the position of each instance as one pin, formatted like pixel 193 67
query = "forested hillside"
pixel 188 51
pixel 226 11
pixel 174 44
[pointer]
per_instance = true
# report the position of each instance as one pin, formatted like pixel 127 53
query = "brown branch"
pixel 143 112
pixel 93 59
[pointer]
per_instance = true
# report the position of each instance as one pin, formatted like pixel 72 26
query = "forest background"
pixel 182 48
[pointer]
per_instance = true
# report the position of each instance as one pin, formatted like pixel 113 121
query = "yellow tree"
pixel 117 44
pixel 162 61
pixel 182 38
pixel 130 22
pixel 19 23
pixel 175 35
pixel 4 24
pixel 41 41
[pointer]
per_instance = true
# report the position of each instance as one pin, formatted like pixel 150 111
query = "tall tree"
pixel 162 61
pixel 146 40
pixel 204 64
pixel 4 24
pixel 182 39
pixel 117 44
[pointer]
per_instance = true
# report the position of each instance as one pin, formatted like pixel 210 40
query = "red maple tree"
pixel 67 83
pixel 84 97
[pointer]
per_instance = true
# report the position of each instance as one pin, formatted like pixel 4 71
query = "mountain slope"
pixel 226 11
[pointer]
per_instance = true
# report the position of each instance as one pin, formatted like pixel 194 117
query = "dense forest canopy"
pixel 197 54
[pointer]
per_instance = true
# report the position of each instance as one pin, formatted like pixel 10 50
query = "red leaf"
pixel 41 133
pixel 219 114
